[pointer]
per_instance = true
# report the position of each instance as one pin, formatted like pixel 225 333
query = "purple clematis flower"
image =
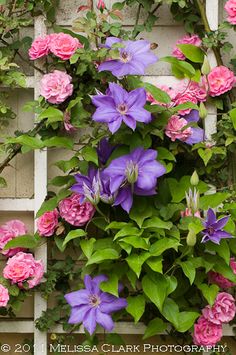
pixel 197 133
pixel 135 56
pixel 91 306
pixel 135 173
pixel 214 228
pixel 93 187
pixel 119 106
pixel 104 150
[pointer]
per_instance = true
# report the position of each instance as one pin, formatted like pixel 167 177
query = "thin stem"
pixel 149 13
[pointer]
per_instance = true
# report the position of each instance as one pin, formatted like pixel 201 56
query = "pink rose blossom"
pixel 63 45
pixel 39 48
pixel 206 333
pixel 75 212
pixel 223 310
pixel 220 280
pixel 221 79
pixel 22 267
pixel 194 40
pixel 174 129
pixel 230 8
pixel 47 223
pixel 4 296
pixel 56 86
pixel 9 231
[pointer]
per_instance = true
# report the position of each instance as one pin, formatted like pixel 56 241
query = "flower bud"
pixel 191 238
pixel 132 172
pixel 53 336
pixel 202 111
pixel 194 180
pixel 101 5
pixel 206 66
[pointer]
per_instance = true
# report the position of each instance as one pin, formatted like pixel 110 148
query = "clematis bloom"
pixel 91 306
pixel 134 57
pixel 214 228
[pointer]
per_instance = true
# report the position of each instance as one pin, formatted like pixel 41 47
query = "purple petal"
pixel 140 114
pixel 197 136
pixel 111 40
pixel 103 100
pixel 78 314
pixel 112 304
pixel 115 124
pixel 105 114
pixel 138 47
pixel 104 320
pixel 124 198
pixel 211 217
pixel 135 68
pixel 142 192
pixel 118 94
pixel 136 98
pixel 96 282
pixel 221 234
pixel 220 223
pixel 115 183
pixel 88 282
pixel 77 298
pixel 89 320
pixel 129 121
pixel 193 116
pixel 110 65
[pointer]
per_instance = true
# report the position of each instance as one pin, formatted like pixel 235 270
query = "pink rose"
pixel 230 8
pixel 47 223
pixel 194 40
pixel 174 129
pixel 4 296
pixel 220 79
pixel 56 86
pixel 75 212
pixel 39 48
pixel 63 45
pixel 9 231
pixel 223 310
pixel 219 279
pixel 22 267
pixel 206 333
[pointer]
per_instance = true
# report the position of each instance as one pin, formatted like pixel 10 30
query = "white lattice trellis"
pixel 40 190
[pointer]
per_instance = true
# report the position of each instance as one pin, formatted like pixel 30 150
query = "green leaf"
pixel 183 67
pixel 128 230
pixel 77 233
pixel 155 288
pixel 135 261
pixel 222 249
pixel 158 94
pixel 165 154
pixel 186 321
pixel 156 222
pixel 101 255
pixel 14 290
pixel 136 306
pixel 23 241
pixel 136 242
pixel 66 165
pixel 90 154
pixel 60 142
pixel 155 263
pixel 140 211
pixel 209 292
pixel 3 182
pixel 171 311
pixel 52 114
pixel 155 326
pixel 47 205
pixel 213 200
pixel 232 114
pixel 110 286
pixel 191 52
pixel 225 270
pixel 189 270
pixel 162 245
pixel 59 243
pixel 32 142
pixel 87 246
pixel 205 154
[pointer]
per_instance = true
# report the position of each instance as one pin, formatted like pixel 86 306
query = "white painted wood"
pixel 212 11
pixel 17 204
pixel 40 192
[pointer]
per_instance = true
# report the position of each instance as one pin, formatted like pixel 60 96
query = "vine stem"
pixel 17 147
